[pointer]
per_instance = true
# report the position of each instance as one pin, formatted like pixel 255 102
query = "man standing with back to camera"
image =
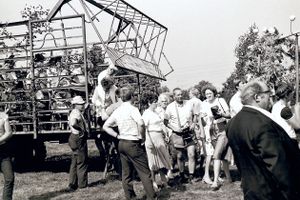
pixel 267 158
pixel 132 152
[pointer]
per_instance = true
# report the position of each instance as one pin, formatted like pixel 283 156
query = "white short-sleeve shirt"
pixel 126 117
pixel 184 113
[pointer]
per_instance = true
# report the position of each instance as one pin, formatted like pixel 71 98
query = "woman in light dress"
pixel 157 152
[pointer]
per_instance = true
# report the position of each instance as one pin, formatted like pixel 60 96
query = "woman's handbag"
pixel 177 140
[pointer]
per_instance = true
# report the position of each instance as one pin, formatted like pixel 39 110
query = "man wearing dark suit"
pixel 268 160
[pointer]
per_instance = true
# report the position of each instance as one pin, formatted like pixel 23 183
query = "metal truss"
pixel 136 38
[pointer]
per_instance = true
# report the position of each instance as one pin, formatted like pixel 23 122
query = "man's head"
pixel 177 93
pixel 78 102
pixel 239 84
pixel 256 93
pixel 194 92
pixel 111 70
pixel 126 94
pixel 283 90
pixel 106 83
pixel 163 100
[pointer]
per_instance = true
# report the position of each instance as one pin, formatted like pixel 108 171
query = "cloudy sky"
pixel 202 34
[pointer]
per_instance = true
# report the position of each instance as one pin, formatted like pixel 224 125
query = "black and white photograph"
pixel 149 100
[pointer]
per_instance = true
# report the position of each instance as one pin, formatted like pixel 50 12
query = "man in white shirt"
pixel 235 103
pixel 178 118
pixel 132 151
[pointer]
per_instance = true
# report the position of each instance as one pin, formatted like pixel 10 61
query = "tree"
pixel 264 56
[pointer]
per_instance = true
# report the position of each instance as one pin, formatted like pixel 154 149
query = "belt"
pixel 130 141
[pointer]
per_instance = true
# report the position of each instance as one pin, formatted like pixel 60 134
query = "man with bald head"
pixel 268 160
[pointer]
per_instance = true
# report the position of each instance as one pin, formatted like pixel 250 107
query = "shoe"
pixel 155 187
pixel 227 181
pixel 193 179
pixel 183 179
pixel 71 188
pixel 215 186
pixel 207 180
pixel 170 175
pixel 221 180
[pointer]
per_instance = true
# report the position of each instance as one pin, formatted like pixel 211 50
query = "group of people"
pixel 263 144
pixel 166 134
pixel 155 141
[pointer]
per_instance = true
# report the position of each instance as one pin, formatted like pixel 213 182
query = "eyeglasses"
pixel 265 92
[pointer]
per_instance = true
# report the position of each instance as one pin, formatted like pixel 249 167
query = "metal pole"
pixel 85 71
pixel 139 90
pixel 297 66
pixel 34 113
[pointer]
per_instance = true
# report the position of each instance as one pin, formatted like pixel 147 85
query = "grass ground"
pixel 50 180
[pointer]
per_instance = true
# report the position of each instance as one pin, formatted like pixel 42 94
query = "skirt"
pixel 157 151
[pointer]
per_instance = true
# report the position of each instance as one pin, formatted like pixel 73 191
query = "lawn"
pixel 49 181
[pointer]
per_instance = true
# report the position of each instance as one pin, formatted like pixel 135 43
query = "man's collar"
pixel 179 105
pixel 263 111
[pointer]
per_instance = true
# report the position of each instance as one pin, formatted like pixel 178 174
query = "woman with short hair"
pixel 217 112
pixel 157 152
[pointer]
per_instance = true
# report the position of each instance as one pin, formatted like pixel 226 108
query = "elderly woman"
pixel 157 152
pixel 163 101
pixel 217 112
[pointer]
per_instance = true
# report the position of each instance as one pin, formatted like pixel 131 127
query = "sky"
pixel 202 34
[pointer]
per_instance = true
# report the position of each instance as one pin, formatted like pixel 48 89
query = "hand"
pixel 178 130
pixel 208 140
pixel 167 139
pixel 220 113
pixel 192 126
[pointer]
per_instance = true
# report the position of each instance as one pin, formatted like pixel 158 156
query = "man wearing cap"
pixel 132 152
pixel 78 144
pixel 5 159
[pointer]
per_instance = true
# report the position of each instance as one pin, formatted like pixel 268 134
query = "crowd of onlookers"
pixel 175 138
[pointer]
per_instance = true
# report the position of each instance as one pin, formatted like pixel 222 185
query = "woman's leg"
pixel 206 177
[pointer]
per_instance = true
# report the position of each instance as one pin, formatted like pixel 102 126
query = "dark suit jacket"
pixel 268 160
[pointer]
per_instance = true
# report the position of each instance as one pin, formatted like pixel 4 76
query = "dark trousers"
pixel 133 155
pixel 79 166
pixel 8 173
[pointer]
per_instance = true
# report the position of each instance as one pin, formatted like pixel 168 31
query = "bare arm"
pixel 74 124
pixel 141 129
pixel 167 124
pixel 7 132
pixel 107 127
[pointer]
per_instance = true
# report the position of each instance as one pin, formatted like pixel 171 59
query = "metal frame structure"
pixel 50 45
pixel 133 41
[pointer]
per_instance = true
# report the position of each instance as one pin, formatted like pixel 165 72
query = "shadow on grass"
pixel 57 164
pixel 49 195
